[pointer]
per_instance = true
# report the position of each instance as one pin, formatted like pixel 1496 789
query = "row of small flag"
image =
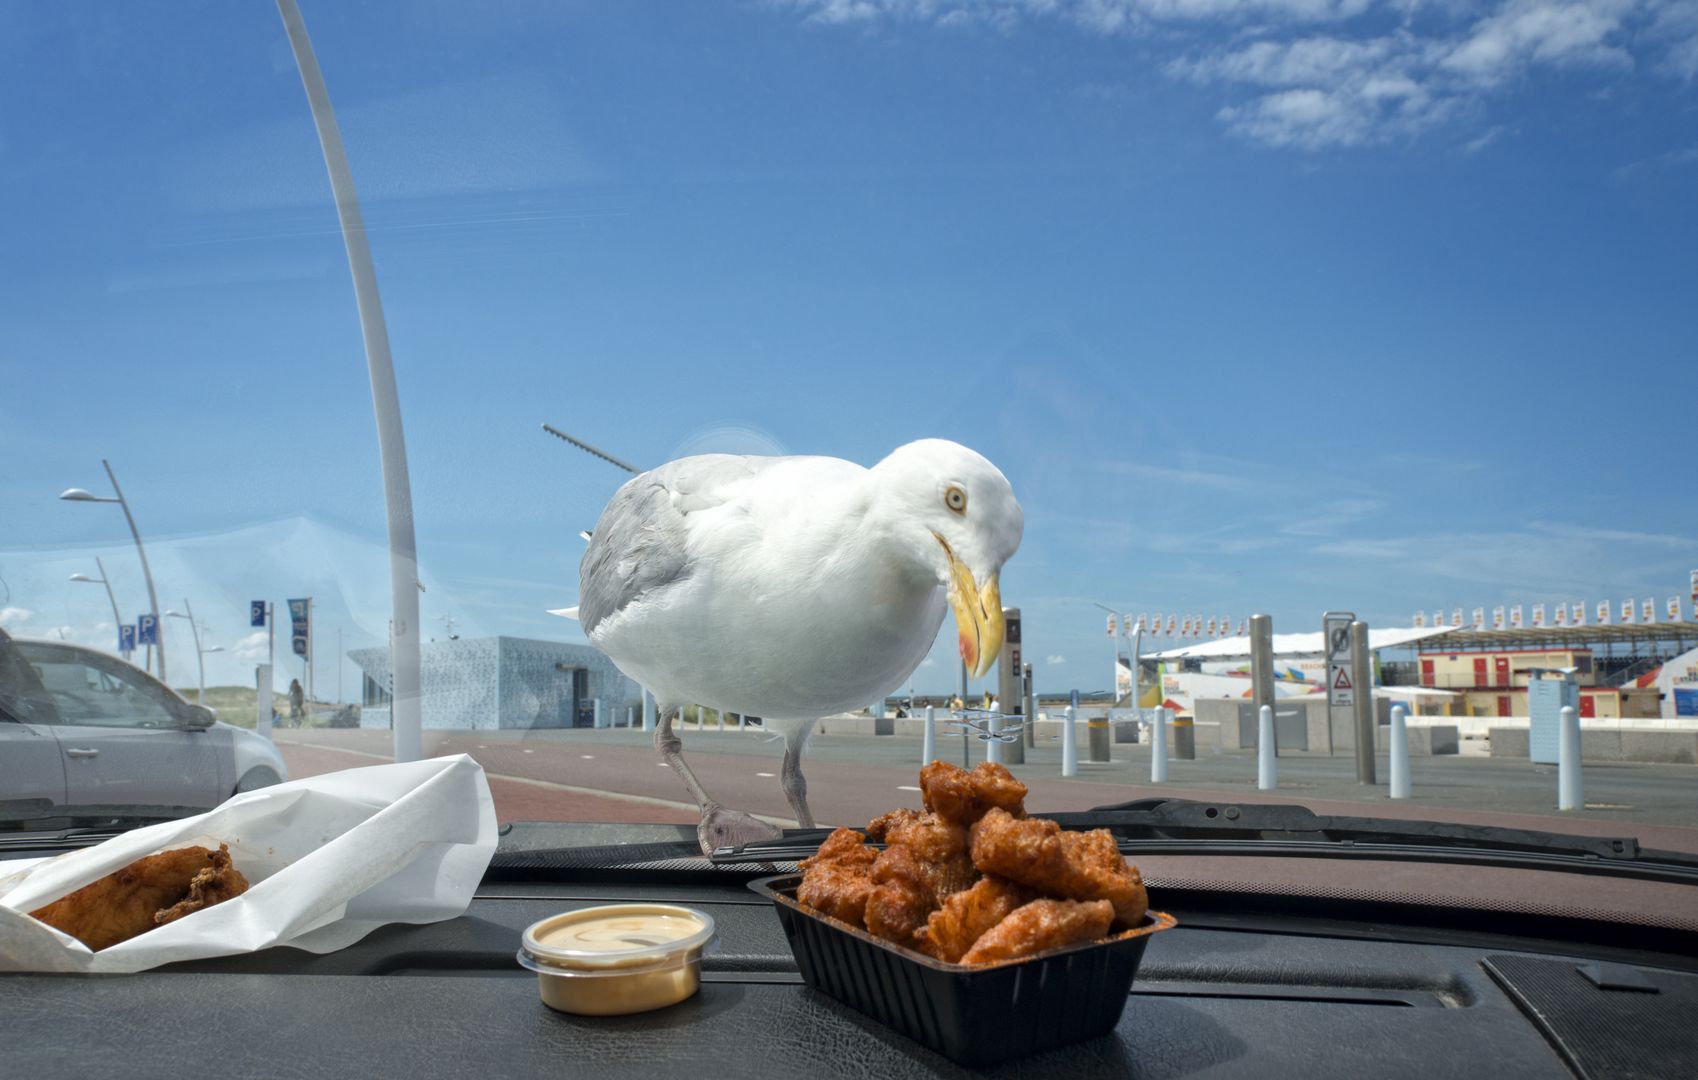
pixel 1181 626
pixel 1574 614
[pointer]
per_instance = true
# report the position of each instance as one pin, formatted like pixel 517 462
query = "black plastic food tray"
pixel 979 1015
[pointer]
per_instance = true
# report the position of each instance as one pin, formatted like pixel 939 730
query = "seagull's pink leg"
pixel 795 785
pixel 719 827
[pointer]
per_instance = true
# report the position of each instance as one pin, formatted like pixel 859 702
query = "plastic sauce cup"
pixel 617 958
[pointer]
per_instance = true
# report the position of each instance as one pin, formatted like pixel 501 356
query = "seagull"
pixel 793 588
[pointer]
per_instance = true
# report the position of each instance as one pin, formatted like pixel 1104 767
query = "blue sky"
pixel 1282 305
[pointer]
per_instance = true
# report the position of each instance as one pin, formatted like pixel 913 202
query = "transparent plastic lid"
pixel 615 939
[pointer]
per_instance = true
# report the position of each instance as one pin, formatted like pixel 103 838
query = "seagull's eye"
pixel 955 497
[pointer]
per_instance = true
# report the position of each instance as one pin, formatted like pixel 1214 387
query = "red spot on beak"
pixel 968 653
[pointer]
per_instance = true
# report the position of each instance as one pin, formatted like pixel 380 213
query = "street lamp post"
pixel 380 368
pixel 200 653
pixel 80 495
pixel 117 619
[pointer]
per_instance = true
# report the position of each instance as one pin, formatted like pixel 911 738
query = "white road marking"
pixel 587 757
pixel 529 751
pixel 905 787
pixel 766 774
pixel 788 823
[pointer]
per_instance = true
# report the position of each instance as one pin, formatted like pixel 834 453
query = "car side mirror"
pixel 199 718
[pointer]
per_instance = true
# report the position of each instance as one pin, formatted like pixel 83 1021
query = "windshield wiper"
pixel 1187 827
pixel 66 827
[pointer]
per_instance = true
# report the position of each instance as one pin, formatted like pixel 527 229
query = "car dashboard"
pixel 1265 987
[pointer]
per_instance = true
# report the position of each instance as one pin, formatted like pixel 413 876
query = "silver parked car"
pixel 85 735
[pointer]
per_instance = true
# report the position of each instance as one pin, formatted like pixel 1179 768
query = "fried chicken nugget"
pixel 836 880
pixel 924 862
pixel 1037 853
pixel 963 797
pixel 129 901
pixel 878 828
pixel 965 916
pixel 1042 925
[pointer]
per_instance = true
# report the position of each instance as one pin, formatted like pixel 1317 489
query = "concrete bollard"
pixel 600 714
pixel 742 721
pixel 1014 752
pixel 722 721
pixel 1569 795
pixel 1098 734
pixel 928 744
pixel 648 711
pixel 994 748
pixel 630 716
pixel 1069 748
pixel 1158 746
pixel 1399 735
pixel 1267 776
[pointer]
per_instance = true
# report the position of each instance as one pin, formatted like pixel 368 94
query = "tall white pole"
pixel 147 575
pixel 1569 795
pixel 1069 748
pixel 1158 746
pixel 200 657
pixel 392 448
pixel 928 742
pixel 117 619
pixel 1399 753
pixel 1266 777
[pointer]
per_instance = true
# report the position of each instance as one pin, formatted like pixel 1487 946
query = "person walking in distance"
pixel 297 698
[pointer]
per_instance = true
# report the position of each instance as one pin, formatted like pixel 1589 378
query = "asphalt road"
pixel 614 775
pixel 851 778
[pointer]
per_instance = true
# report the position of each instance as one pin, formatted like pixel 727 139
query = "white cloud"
pixel 1055 659
pixel 251 648
pixel 1483 140
pixel 12 617
pixel 1523 32
pixel 1354 83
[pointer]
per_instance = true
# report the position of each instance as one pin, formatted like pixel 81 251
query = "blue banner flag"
pixel 256 613
pixel 298 614
pixel 300 643
pixel 147 629
pixel 127 638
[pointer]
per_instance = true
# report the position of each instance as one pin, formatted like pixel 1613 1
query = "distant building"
pixel 501 682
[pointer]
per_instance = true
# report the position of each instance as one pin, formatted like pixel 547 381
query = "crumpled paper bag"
pixel 329 859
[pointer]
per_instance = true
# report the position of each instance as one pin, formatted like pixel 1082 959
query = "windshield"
pixel 834 386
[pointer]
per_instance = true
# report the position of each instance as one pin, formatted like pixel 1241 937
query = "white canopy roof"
pixel 1295 644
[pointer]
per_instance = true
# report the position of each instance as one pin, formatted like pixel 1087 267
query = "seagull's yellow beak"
pixel 978 614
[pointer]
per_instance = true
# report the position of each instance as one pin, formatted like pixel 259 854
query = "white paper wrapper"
pixel 329 859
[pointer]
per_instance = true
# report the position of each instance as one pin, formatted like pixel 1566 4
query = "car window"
pixel 89 695
pixel 433 410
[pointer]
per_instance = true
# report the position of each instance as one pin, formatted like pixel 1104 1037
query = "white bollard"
pixel 1569 796
pixel 648 711
pixel 1069 748
pixel 1267 779
pixel 722 720
pixel 600 716
pixel 928 744
pixel 1399 735
pixel 1158 747
pixel 742 721
pixel 993 749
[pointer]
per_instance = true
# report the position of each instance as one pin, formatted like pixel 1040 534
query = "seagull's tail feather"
pixel 565 612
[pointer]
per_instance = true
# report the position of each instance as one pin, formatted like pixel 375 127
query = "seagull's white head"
pixel 955 513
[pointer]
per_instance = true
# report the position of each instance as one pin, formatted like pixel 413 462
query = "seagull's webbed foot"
pixel 728 828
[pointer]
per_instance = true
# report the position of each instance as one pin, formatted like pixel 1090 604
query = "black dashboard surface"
pixel 447 999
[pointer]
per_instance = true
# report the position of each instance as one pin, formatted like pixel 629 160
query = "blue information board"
pixel 127 638
pixel 147 629
pixel 256 613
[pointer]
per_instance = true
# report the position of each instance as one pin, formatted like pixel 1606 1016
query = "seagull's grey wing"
pixel 639 544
